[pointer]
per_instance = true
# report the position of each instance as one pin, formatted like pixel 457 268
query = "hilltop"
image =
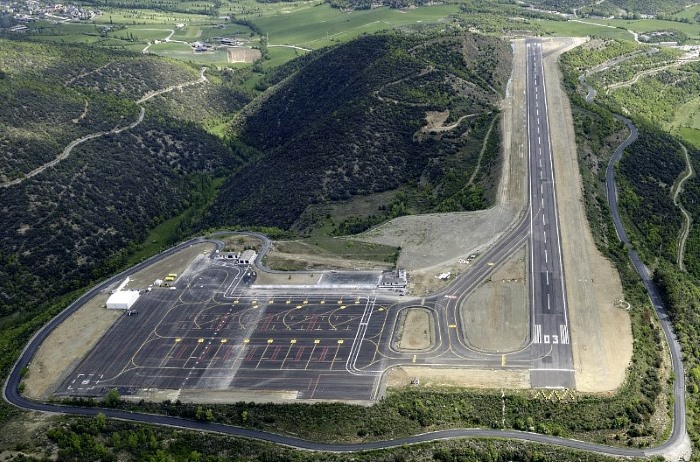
pixel 354 120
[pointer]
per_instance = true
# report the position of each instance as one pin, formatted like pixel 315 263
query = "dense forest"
pixel 351 122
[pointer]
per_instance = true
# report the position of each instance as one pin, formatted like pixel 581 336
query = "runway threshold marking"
pixel 503 360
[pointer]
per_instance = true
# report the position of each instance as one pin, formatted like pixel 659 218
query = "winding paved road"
pixel 679 431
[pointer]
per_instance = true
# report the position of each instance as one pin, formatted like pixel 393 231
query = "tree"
pixel 112 398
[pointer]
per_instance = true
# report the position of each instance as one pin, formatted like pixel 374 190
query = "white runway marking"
pixel 564 333
pixel 545 258
pixel 538 334
pixel 547 274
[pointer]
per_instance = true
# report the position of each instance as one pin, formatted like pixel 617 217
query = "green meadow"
pixel 304 24
pixel 322 25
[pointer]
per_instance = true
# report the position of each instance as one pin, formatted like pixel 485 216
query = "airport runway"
pixel 553 363
pixel 334 341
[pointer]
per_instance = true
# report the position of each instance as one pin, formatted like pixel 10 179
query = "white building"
pixel 122 299
pixel 247 257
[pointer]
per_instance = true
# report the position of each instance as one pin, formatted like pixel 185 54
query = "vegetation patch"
pixel 331 131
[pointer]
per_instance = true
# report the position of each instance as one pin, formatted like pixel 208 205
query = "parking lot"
pixel 205 333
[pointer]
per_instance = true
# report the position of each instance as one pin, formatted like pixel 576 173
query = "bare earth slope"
pixel 601 332
pixel 433 243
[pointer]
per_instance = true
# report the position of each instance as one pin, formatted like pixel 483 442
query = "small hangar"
pixel 122 299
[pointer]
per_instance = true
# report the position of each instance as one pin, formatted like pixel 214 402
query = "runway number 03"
pixel 555 339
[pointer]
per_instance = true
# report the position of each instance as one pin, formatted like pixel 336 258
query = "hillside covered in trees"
pixel 68 223
pixel 353 121
pixel 649 87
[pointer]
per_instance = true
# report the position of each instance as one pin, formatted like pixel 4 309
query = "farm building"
pixel 122 299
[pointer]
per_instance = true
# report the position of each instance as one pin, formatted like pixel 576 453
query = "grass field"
pixel 322 25
pixel 593 28
pixel 686 122
pixel 650 25
pixel 307 24
pixel 691 135
pixel 688 13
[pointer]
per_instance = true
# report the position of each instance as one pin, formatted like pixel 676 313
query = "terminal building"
pixel 247 257
pixel 394 279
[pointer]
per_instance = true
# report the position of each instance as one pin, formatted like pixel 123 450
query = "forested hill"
pixel 350 121
pixel 72 222
pixel 654 7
